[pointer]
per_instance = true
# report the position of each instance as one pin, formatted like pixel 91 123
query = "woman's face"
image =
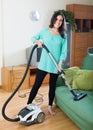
pixel 58 21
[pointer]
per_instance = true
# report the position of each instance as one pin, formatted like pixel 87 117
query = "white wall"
pixel 16 28
pixel 1 42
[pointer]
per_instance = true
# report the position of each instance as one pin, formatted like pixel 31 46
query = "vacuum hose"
pixel 17 88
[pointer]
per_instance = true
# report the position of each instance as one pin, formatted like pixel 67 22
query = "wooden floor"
pixel 58 122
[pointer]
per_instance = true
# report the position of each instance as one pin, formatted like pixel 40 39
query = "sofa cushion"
pixel 70 72
pixel 83 79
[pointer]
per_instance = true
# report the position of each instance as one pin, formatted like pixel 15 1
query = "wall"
pixel 16 27
pixel 1 47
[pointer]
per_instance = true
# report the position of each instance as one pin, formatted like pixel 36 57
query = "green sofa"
pixel 80 112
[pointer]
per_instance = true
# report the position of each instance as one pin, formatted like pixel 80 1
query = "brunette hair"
pixel 62 28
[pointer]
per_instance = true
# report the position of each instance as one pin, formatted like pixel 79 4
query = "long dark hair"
pixel 62 28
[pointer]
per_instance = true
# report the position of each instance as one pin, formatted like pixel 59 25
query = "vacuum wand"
pixel 77 96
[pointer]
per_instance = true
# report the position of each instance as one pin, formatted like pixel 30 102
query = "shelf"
pixel 84 25
pixel 82 37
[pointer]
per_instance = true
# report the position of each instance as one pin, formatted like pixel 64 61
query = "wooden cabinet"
pixel 82 37
pixel 11 77
pixel 81 11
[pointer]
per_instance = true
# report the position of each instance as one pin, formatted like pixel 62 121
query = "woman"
pixel 55 40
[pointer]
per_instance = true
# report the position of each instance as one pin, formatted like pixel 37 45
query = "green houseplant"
pixel 69 16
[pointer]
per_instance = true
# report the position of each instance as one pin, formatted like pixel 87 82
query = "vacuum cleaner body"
pixel 31 114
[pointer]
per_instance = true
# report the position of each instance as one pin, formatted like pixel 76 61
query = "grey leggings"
pixel 40 75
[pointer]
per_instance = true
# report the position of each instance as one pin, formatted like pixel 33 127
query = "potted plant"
pixel 69 16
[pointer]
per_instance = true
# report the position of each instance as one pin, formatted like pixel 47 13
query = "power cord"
pixel 38 99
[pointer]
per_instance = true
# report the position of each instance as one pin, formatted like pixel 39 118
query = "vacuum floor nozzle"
pixel 79 96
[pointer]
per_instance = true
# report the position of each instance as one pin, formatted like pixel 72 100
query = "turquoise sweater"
pixel 57 47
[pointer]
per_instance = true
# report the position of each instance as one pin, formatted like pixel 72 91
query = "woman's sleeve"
pixel 38 36
pixel 35 37
pixel 64 50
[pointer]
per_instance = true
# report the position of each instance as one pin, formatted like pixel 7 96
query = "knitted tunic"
pixel 57 47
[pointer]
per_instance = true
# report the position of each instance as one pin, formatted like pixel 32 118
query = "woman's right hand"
pixel 39 43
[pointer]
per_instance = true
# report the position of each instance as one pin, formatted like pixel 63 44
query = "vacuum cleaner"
pixel 32 113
